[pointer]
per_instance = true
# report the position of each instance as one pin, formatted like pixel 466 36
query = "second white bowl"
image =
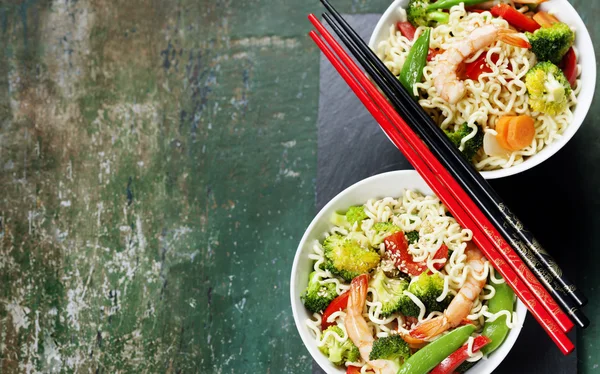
pixel 587 60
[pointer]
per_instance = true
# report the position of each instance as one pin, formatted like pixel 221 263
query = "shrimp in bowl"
pixel 397 276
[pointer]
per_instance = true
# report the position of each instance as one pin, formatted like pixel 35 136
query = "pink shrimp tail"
pixel 431 328
pixel 358 293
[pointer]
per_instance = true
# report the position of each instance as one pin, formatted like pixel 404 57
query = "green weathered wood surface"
pixel 157 169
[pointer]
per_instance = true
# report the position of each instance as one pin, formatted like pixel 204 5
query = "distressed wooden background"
pixel 157 169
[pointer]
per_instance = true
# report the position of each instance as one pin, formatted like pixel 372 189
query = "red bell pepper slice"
pixel 355 370
pixel 442 253
pixel 337 304
pixel 514 17
pixel 480 66
pixel 569 66
pixel 397 246
pixel 434 52
pixel 459 356
pixel 407 30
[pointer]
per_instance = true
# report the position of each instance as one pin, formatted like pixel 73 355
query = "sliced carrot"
pixel 502 130
pixel 545 19
pixel 521 131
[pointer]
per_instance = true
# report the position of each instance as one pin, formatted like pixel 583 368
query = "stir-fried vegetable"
pixel 339 303
pixel 474 69
pixel 435 352
pixel 338 352
pixel 545 19
pixel 548 88
pixel 447 4
pixel 452 362
pixel 472 145
pixel 347 258
pixel 497 330
pixel 569 66
pixel 514 17
pixel 407 30
pixel 515 132
pixel 317 296
pixel 391 348
pixel 390 292
pixel 412 71
pixel 397 247
pixel 551 43
pixel 419 15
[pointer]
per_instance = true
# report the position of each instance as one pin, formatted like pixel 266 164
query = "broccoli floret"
pixel 472 146
pixel 347 258
pixel 419 15
pixel 551 43
pixel 382 231
pixel 426 288
pixel 391 348
pixel 412 237
pixel 337 352
pixel 356 214
pixel 317 296
pixel 390 292
pixel 347 220
pixel 548 88
pixel 340 220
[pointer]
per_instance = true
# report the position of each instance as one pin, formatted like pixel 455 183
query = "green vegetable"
pixel 317 296
pixel 382 231
pixel 390 292
pixel 426 288
pixel 428 357
pixel 347 258
pixel 472 146
pixel 548 88
pixel 355 214
pixel 392 348
pixel 337 352
pixel 412 237
pixel 412 70
pixel 497 330
pixel 447 4
pixel 419 15
pixel 551 43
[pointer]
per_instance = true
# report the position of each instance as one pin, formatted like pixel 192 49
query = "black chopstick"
pixel 483 194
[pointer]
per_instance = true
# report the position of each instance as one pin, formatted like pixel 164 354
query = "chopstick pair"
pixel 428 167
pixel 470 180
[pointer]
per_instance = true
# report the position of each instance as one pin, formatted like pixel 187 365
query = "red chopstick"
pixel 430 177
pixel 493 235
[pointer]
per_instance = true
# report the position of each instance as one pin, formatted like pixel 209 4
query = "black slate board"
pixel 352 147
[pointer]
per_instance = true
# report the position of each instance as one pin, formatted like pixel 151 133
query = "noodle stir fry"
pixel 427 280
pixel 498 90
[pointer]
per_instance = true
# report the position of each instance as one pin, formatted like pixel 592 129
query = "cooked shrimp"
pixel 446 81
pixel 358 331
pixel 462 303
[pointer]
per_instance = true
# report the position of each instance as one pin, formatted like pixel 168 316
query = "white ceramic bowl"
pixel 587 59
pixel 379 186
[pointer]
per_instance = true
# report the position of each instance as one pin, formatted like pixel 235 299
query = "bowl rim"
pixel 296 304
pixel 584 99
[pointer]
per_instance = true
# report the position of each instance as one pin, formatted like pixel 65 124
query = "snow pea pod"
pixel 412 71
pixel 498 330
pixel 447 4
pixel 428 357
